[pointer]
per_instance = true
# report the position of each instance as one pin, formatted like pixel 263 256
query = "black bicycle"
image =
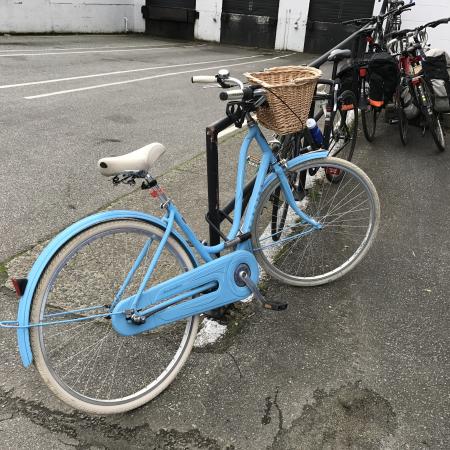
pixel 424 79
pixel 369 51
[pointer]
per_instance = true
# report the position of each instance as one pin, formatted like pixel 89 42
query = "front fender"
pixel 319 154
pixel 23 314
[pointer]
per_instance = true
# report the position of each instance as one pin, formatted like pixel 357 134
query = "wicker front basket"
pixel 289 93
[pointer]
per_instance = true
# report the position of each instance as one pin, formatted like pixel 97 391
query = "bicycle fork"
pixel 291 200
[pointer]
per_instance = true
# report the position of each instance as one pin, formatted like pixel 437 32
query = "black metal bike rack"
pixel 213 217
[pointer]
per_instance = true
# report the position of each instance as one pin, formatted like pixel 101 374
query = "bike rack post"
pixel 212 171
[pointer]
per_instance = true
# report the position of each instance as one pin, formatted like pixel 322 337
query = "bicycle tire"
pixel 432 119
pixel 87 364
pixel 403 123
pixel 290 145
pixel 369 118
pixel 437 132
pixel 344 132
pixel 291 259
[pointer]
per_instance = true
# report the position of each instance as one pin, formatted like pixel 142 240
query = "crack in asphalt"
pixel 351 416
pixel 236 363
pixel 267 418
pixel 96 431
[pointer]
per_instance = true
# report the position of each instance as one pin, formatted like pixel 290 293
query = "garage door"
pixel 170 18
pixel 249 22
pixel 324 29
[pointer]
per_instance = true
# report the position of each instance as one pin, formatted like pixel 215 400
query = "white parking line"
pixel 74 48
pixel 171 74
pixel 119 72
pixel 139 49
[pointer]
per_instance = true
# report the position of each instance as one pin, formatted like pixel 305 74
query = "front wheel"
pixel 348 211
pixel 401 117
pixel 86 363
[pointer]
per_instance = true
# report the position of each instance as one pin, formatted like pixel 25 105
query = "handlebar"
pixel 204 79
pixel 435 23
pixel 400 33
pixel 246 94
pixel 222 78
pixel 416 31
pixel 401 9
pixel 375 19
pixel 358 21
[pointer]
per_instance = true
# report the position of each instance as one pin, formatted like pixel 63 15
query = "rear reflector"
pixel 362 72
pixel 333 171
pixel 19 285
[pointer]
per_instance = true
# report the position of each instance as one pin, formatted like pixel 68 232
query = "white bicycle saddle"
pixel 141 159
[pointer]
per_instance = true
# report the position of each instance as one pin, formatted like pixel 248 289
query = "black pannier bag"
pixel 345 74
pixel 434 69
pixel 409 107
pixel 348 76
pixel 384 77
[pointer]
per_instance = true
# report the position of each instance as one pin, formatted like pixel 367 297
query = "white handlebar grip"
pixel 204 79
pixel 232 94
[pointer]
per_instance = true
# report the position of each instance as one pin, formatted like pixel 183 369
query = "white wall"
pixel 291 28
pixel 425 11
pixel 79 16
pixel 207 26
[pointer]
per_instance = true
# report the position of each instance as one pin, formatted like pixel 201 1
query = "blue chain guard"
pixel 220 271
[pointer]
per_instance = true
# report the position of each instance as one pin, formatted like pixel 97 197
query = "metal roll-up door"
pixel 249 22
pixel 170 18
pixel 324 29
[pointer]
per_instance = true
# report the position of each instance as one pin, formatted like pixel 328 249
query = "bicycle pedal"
pixel 275 306
pixel 243 276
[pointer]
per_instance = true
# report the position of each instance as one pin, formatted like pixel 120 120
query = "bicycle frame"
pixel 205 281
pixel 261 180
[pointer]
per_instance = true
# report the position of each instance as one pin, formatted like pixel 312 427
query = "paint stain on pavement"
pixel 348 417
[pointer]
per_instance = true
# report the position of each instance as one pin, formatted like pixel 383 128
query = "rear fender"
pixel 23 314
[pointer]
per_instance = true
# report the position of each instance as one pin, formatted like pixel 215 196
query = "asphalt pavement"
pixel 102 96
pixel 360 363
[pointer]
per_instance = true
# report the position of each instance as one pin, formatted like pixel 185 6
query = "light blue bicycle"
pixel 110 309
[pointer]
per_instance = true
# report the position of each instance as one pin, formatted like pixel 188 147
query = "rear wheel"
pixel 437 132
pixel 369 118
pixel 344 130
pixel 86 363
pixel 348 210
